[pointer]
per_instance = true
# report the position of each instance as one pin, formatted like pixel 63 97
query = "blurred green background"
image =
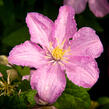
pixel 13 31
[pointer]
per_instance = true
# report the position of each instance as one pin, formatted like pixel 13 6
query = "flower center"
pixel 57 53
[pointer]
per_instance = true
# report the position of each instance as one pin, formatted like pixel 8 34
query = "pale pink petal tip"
pixel 82 71
pixel 26 54
pixel 100 8
pixel 27 77
pixel 65 24
pixel 78 5
pixel 40 28
pixel 86 43
pixel 48 82
pixel 1 74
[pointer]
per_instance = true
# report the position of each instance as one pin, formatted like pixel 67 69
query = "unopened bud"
pixel 13 74
pixel 3 60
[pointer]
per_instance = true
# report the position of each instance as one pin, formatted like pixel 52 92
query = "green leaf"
pixel 23 71
pixel 21 101
pixel 74 97
pixel 18 101
pixel 66 101
pixel 13 102
pixel 30 96
pixel 16 37
pixel 103 100
pixel 24 85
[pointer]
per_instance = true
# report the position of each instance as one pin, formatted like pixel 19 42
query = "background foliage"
pixel 13 31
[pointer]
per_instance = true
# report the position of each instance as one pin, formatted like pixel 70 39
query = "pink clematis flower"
pixel 100 8
pixel 57 55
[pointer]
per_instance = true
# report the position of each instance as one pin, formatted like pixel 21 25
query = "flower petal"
pixel 26 77
pixel 86 43
pixel 39 27
pixel 27 54
pixel 78 5
pixel 65 25
pixel 100 8
pixel 1 74
pixel 82 71
pixel 48 82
